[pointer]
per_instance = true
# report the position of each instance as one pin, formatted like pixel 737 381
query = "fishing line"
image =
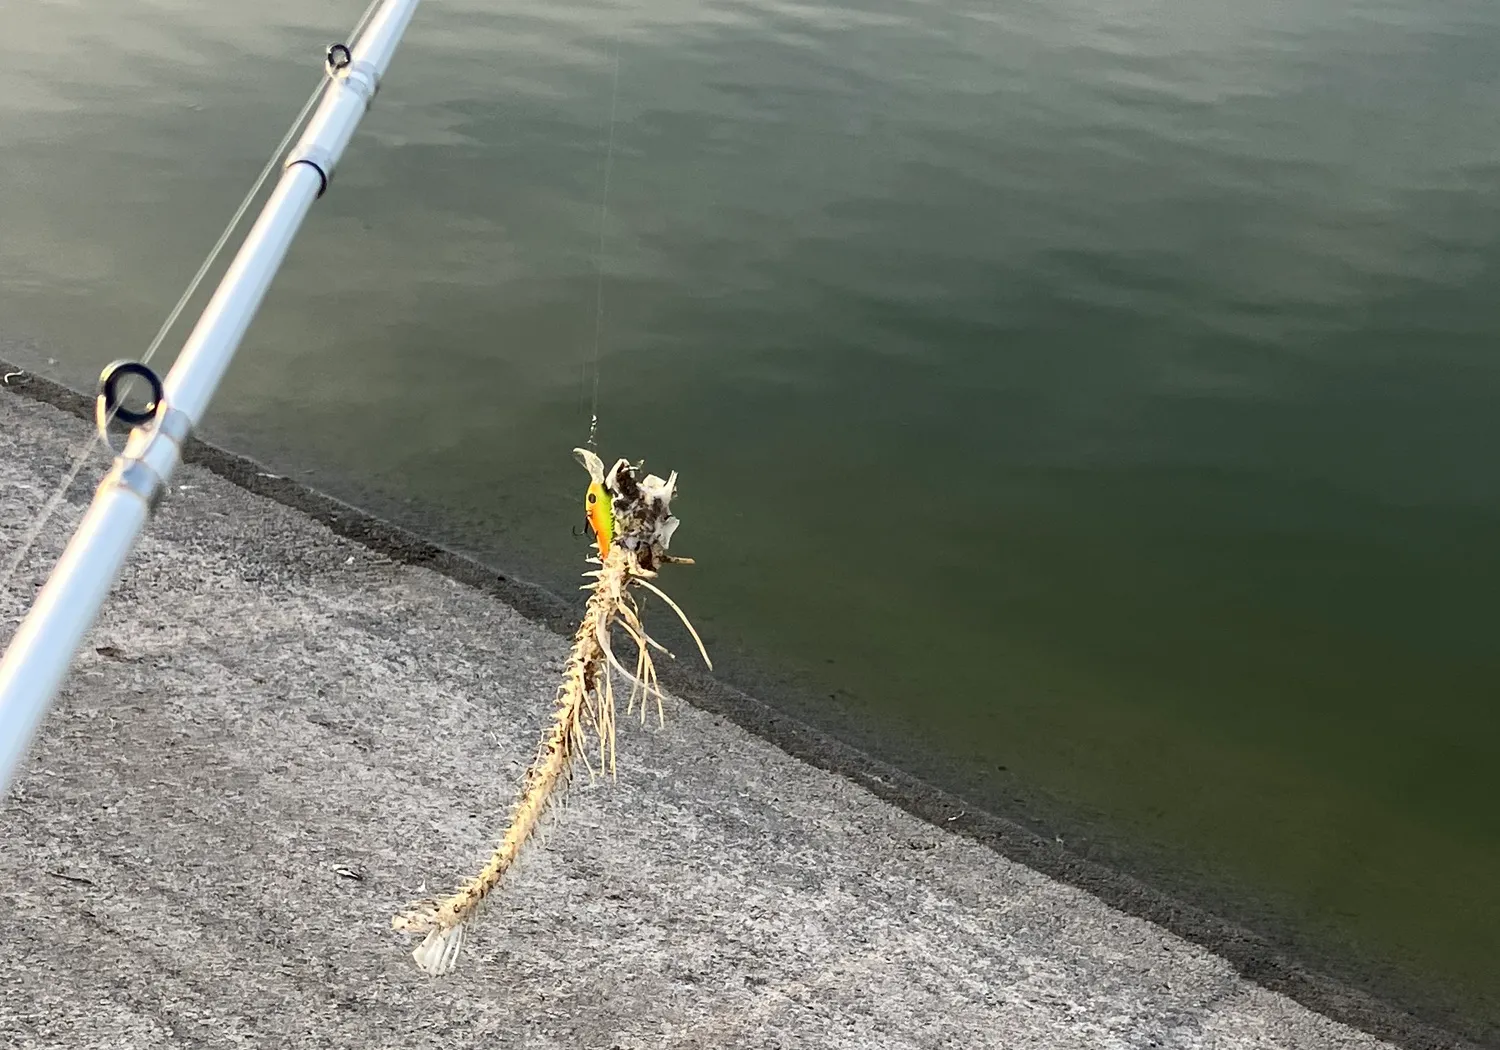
pixel 55 500
pixel 609 158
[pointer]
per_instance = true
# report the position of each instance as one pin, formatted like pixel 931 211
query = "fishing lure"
pixel 633 525
pixel 598 509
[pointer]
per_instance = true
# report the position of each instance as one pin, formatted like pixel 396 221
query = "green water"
pixel 1091 406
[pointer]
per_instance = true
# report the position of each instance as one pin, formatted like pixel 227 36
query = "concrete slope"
pixel 274 739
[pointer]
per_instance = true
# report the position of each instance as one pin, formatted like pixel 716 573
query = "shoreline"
pixel 1251 956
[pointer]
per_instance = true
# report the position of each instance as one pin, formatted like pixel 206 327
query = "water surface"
pixel 1089 405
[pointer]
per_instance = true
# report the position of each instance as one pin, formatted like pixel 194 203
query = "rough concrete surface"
pixel 265 707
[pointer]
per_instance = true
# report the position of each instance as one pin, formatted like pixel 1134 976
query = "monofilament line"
pixel 609 159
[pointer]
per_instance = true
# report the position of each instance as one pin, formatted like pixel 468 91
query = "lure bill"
pixel 633 525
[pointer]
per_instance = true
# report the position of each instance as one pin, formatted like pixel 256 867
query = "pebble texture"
pixel 274 739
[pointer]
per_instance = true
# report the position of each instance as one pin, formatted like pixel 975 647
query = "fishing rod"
pixel 43 648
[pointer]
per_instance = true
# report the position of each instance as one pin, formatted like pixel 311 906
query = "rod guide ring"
pixel 111 394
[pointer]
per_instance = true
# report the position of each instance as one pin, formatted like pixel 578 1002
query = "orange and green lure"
pixel 599 510
pixel 598 506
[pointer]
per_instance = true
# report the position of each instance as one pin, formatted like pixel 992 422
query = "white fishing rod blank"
pixel 45 644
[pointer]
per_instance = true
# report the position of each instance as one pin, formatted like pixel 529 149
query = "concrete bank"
pixel 276 737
